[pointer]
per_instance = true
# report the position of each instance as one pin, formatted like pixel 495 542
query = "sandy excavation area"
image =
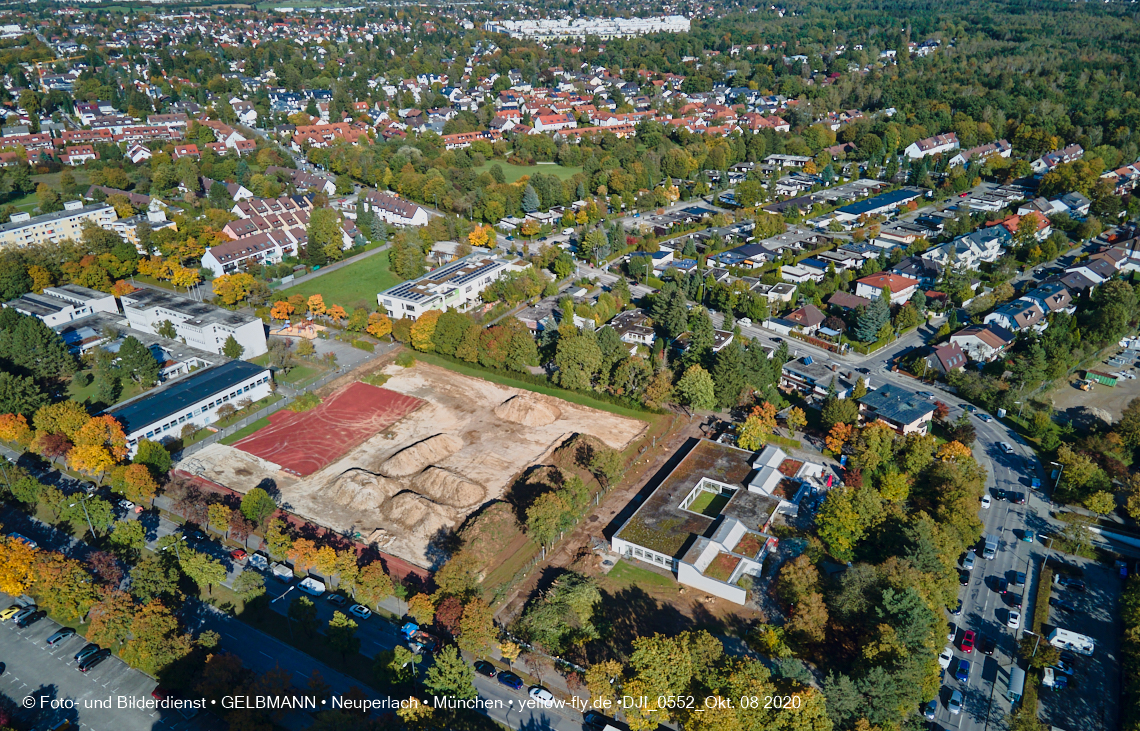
pixel 420 478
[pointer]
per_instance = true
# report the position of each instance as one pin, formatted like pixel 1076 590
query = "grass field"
pixel 514 172
pixel 82 178
pixel 708 503
pixel 244 432
pixel 625 574
pixel 355 285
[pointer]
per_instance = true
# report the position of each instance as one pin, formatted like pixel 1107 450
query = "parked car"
pixel 541 695
pixel 10 612
pixel 987 645
pixel 126 505
pixel 1063 667
pixel 954 705
pixel 1000 495
pixel 485 668
pixel 337 600
pixel 596 721
pixel 925 394
pixel 964 578
pixel 1027 536
pixel 968 641
pixel 952 632
pixel 968 560
pixel 28 620
pixel 963 671
pixel 1006 447
pixel 238 554
pixel 930 709
pixel 88 650
pixel 957 610
pixel 510 680
pixel 60 635
pixel 93 660
pixel 985 417
pixel 985 502
pixel 946 657
pixel 361 611
pixel 1061 604
pixel 1017 498
pixel 1014 620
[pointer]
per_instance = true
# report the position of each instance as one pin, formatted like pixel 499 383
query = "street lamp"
pixel 82 502
pixel 175 544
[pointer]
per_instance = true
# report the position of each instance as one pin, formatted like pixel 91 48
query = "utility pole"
pixel 82 502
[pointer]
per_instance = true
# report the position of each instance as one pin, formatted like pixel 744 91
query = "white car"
pixel 542 695
pixel 954 705
pixel 946 657
pixel 986 502
pixel 126 505
pixel 968 560
pixel 360 611
pixel 1014 620
pixel 1006 447
pixel 744 322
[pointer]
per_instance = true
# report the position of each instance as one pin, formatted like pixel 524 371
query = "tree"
pixel 136 360
pixel 14 429
pixel 134 482
pixel 477 632
pixel 167 330
pixel 695 389
pixel 421 608
pixel 17 566
pixel 257 505
pixel 304 613
pixel 757 427
pixel 795 419
pixel 378 325
pixel 809 617
pixel 423 329
pixel 342 635
pixel 530 202
pixel 154 456
pixel 219 517
pixel 728 375
pixel 450 675
pixel 20 394
pixel 871 319
pixel 156 642
pixel 127 539
pixel 233 288
pixel 1101 503
pixel 839 411
pixel 202 569
pixel 153 578
pixel 232 348
pixel 110 620
pixel 578 358
pixel 249 585
pixel 374 585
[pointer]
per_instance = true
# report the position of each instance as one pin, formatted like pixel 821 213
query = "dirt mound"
pixel 528 410
pixel 448 488
pixel 409 461
pixel 415 512
pixel 360 489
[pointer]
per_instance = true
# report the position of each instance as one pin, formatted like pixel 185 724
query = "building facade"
pixel 201 325
pixel 26 230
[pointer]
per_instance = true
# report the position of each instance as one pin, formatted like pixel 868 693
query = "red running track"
pixel 304 443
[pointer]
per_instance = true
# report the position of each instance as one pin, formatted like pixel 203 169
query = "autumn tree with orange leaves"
pixel 14 429
pixel 282 310
pixel 839 436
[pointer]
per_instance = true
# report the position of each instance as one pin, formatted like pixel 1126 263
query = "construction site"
pixel 405 464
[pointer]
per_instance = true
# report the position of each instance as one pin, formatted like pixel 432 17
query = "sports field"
pixel 302 443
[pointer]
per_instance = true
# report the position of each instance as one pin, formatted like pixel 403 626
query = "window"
pixel 225 398
pixel 246 389
pixel 181 419
pixel 166 428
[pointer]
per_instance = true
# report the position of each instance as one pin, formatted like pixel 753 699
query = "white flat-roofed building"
pixel 62 304
pixel 161 414
pixel 458 284
pixel 199 324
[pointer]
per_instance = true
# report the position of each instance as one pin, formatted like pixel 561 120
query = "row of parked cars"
pixel 22 616
pixel 514 682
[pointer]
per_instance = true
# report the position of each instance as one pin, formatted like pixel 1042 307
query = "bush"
pixel 364 345
pixel 304 402
pixel 405 359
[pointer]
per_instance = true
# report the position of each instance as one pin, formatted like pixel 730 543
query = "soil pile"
pixel 415 458
pixel 360 489
pixel 447 488
pixel 528 410
pixel 417 513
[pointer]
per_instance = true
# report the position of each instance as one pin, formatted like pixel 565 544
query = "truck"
pixel 312 586
pixel 282 572
pixel 1063 639
pixel 991 547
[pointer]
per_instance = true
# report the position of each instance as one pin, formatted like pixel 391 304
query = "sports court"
pixel 304 443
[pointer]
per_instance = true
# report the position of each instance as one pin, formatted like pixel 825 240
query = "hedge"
pixel 364 345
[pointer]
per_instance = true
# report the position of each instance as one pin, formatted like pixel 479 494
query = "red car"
pixel 238 554
pixel 968 641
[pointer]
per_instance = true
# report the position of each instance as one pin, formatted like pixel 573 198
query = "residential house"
pixel 902 410
pixel 1018 315
pixel 983 343
pixel 901 288
pixel 946 358
pixel 1050 160
pixel 393 209
pixel 979 154
pixel 935 145
pixel 816 379
pixel 805 320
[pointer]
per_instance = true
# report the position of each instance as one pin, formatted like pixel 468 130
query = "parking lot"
pixel 1091 699
pixel 88 700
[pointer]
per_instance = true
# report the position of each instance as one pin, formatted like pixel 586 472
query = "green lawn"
pixel 82 178
pixel 355 285
pixel 246 431
pixel 708 503
pixel 25 203
pixel 626 574
pixel 301 374
pixel 514 172
pixel 82 393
